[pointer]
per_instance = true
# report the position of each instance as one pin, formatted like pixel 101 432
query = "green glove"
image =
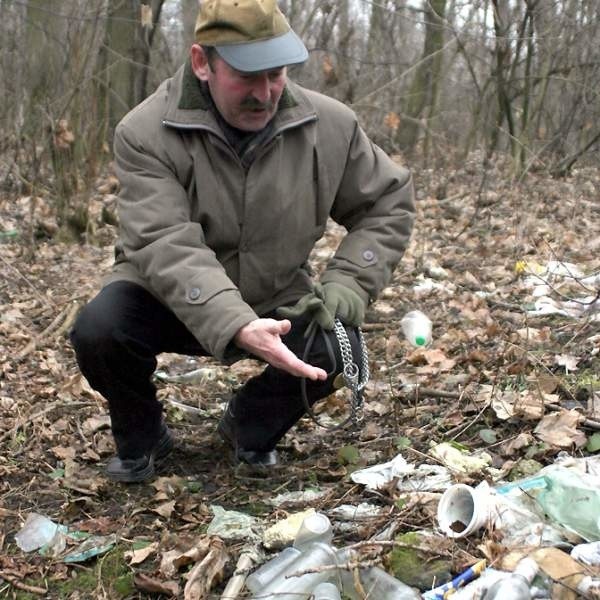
pixel 325 303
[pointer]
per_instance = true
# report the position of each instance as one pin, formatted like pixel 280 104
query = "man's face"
pixel 247 101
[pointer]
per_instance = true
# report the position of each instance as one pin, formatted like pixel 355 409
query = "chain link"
pixel 351 370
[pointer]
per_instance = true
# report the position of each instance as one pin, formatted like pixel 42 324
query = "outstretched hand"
pixel 262 338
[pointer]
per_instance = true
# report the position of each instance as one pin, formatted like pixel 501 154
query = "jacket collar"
pixel 189 106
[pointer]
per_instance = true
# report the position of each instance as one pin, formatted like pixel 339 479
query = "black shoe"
pixel 260 458
pixel 135 470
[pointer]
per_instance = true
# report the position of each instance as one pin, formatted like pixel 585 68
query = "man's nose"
pixel 261 89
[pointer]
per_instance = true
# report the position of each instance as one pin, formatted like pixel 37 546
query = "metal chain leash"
pixel 355 377
pixel 351 370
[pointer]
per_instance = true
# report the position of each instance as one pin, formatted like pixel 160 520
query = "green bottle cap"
pixel 420 340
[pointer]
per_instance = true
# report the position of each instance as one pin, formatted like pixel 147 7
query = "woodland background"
pixel 494 106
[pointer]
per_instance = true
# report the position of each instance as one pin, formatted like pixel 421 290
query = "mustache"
pixel 252 103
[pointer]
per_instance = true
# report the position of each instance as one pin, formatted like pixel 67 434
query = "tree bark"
pixel 423 91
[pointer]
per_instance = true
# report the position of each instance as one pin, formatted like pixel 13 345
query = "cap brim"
pixel 280 51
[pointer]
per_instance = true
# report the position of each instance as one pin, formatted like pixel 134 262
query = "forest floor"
pixel 500 376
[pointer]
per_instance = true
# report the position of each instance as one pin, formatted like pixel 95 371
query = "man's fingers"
pixel 283 326
pixel 292 364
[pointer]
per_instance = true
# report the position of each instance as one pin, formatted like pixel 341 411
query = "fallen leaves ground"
pixel 495 378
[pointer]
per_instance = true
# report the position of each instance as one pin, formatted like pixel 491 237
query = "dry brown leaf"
pixel 559 429
pixel 165 509
pixel 136 557
pixel 169 485
pixel 63 452
pixel 547 383
pixel 531 334
pixel 523 440
pixel 155 586
pixel 510 403
pixel 93 424
pixel 173 560
pixel 206 573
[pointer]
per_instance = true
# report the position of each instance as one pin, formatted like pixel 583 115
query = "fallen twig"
pixel 22 586
pixel 54 330
pixel 419 391
pixel 587 422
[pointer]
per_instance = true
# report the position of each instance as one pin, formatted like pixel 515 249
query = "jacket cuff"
pixel 347 281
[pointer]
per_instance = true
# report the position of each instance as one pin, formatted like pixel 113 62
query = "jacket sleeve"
pixel 167 248
pixel 375 202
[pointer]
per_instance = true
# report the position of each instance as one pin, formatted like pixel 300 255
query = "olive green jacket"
pixel 220 244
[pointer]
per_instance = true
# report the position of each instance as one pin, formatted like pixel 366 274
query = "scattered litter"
pixel 460 461
pixel 426 478
pixel 299 499
pixel 425 285
pixel 542 279
pixel 377 476
pixel 50 539
pixel 588 554
pixel 233 525
pixel 284 532
pixel 364 510
pixel 36 532
pixel 93 546
pixel 461 580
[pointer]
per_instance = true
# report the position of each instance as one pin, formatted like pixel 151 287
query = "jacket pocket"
pixel 361 254
pixel 204 287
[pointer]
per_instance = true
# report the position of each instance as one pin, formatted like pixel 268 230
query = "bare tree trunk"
pixel 423 90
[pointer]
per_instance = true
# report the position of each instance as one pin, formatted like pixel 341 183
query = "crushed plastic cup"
pixel 462 509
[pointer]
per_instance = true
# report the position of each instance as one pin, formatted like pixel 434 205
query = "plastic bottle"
pixel 416 326
pixel 377 583
pixel 517 585
pixel 315 527
pixel 257 581
pixel 326 591
pixel 284 587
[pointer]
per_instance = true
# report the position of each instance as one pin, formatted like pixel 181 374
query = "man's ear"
pixel 200 64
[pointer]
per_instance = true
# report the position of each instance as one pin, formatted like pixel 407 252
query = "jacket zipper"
pixel 191 126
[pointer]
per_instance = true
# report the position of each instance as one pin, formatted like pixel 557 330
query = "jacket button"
pixel 369 255
pixel 194 293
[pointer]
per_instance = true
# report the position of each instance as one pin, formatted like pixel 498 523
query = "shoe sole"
pixel 163 449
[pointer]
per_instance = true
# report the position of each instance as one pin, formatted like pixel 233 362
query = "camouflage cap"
pixel 250 35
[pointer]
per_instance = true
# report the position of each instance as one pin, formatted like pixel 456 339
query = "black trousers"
pixel 117 337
